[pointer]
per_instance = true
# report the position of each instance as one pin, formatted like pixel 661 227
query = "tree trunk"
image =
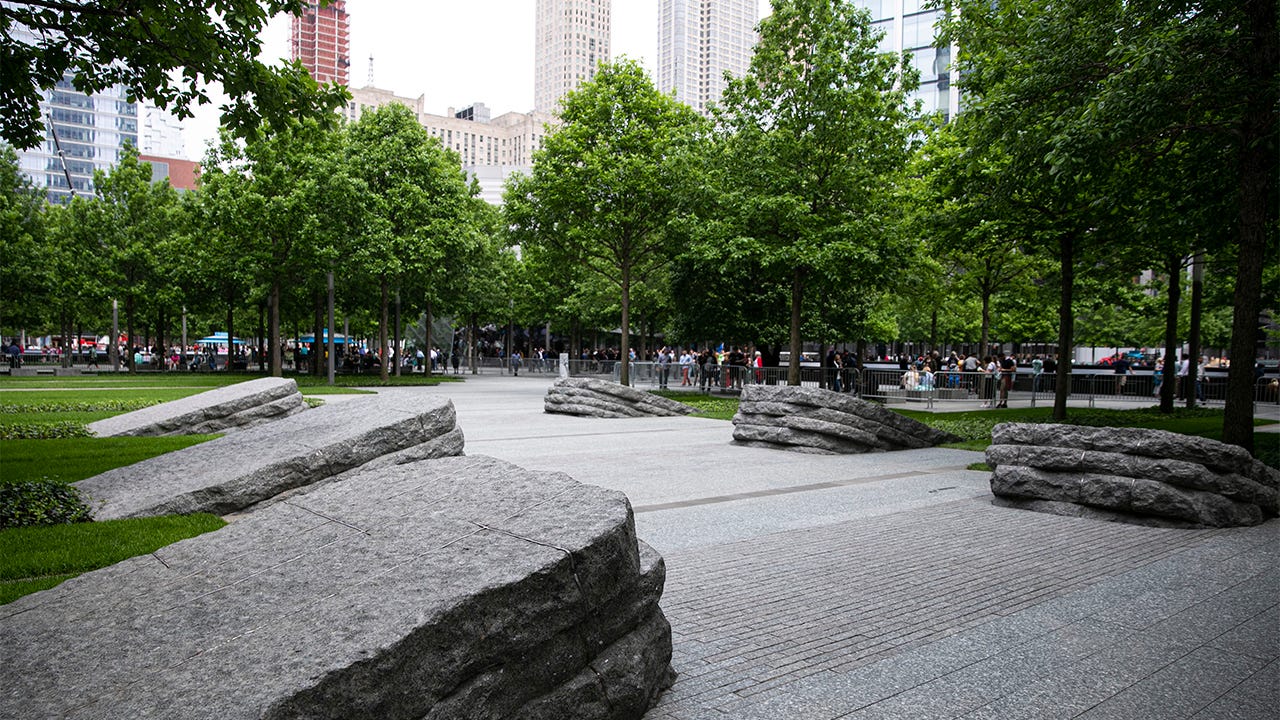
pixel 398 360
pixel 262 336
pixel 273 333
pixel 472 328
pixel 231 331
pixel 822 363
pixel 1173 265
pixel 933 331
pixel 1258 169
pixel 426 341
pixel 984 345
pixel 317 367
pixel 1193 334
pixel 797 294
pixel 624 356
pixel 382 329
pixel 128 331
pixel 1066 326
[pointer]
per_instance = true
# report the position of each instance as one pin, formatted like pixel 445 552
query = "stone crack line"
pixel 828 485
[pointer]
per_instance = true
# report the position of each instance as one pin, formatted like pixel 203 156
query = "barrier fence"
pixel 895 386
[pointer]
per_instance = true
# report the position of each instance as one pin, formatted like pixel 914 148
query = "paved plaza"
pixel 889 586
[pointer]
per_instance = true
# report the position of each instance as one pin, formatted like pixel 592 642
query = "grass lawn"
pixel 719 407
pixel 37 558
pixel 71 459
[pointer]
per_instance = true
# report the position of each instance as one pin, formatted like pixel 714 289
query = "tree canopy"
pixel 164 51
pixel 812 141
pixel 609 182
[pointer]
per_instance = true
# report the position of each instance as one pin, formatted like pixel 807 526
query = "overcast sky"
pixel 455 52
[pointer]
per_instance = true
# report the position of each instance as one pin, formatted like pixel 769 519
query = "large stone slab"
pixel 1150 477
pixel 256 464
pixel 590 397
pixel 218 410
pixel 814 420
pixel 462 587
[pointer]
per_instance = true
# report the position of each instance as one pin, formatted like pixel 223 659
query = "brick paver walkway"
pixel 778 626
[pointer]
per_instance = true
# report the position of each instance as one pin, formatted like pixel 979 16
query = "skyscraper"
pixel 700 40
pixel 572 39
pixel 320 39
pixel 83 133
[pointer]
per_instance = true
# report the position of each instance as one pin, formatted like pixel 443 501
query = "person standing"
pixel 1008 369
pixel 1121 366
pixel 664 367
pixel 1037 369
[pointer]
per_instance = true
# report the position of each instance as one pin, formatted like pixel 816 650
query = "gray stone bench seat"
pixel 589 397
pixel 225 408
pixel 814 420
pixel 1137 475
pixel 462 587
pixel 256 464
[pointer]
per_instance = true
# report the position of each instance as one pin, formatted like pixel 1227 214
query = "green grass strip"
pixel 36 558
pixel 72 459
pixel 718 407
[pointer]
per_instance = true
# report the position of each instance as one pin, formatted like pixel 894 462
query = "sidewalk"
pixel 888 586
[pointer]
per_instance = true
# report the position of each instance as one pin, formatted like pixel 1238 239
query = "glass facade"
pixel 90 130
pixel 909 27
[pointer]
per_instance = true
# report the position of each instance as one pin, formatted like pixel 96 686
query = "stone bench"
pixel 462 587
pixel 256 464
pixel 225 408
pixel 1137 475
pixel 589 397
pixel 821 421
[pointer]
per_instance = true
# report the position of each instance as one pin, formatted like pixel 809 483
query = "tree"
pixel 813 137
pixel 24 279
pixel 1206 76
pixel 1085 93
pixel 607 183
pixel 1028 69
pixel 130 217
pixel 416 202
pixel 162 50
pixel 276 212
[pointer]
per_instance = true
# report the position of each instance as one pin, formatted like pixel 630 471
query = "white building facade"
pixel 698 42
pixel 571 39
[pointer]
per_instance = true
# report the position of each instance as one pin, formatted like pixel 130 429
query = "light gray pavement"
pixel 888 585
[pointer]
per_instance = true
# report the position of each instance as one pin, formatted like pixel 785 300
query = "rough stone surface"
pixel 813 420
pixel 218 410
pixel 461 587
pixel 590 397
pixel 259 463
pixel 1130 474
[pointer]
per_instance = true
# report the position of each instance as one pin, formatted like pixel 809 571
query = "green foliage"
pixel 165 51
pixel 24 273
pixel 36 558
pixel 812 140
pixel 608 187
pixel 416 208
pixel 42 430
pixel 40 502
